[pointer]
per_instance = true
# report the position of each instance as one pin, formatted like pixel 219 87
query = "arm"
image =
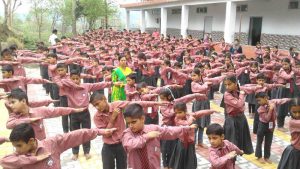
pixel 50 112
pixel 217 161
pixel 98 86
pixel 131 142
pixel 281 101
pixel 40 103
pixel 197 88
pixel 190 97
pixel 3 140
pixel 13 121
pixel 286 76
pixel 234 102
pixel 201 113
pixel 170 133
pixel 14 161
pixel 35 80
pixel 294 125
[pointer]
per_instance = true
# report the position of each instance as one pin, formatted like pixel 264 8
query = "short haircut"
pixel 261 76
pixel 52 55
pixel 54 31
pixel 141 85
pixel 132 76
pixel 134 111
pixel 180 106
pixel 22 132
pixel 61 65
pixel 261 95
pixel 18 94
pixel 7 68
pixel 215 128
pixel 97 96
pixel 142 56
pixel 6 51
pixel 74 72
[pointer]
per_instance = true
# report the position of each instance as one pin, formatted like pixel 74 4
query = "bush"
pixel 13 40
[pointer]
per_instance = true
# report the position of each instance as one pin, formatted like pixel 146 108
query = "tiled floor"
pixel 53 126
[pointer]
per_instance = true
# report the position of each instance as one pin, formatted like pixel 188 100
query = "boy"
pixel 32 153
pixel 130 88
pixel 78 97
pixel 142 142
pixel 22 113
pixel 10 81
pixel 111 116
pixel 222 153
pixel 266 125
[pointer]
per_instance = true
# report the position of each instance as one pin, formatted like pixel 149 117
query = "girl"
pixel 184 156
pixel 291 155
pixel 285 77
pixel 200 85
pixel 236 125
pixel 168 116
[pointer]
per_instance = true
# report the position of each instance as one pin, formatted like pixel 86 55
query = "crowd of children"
pixel 132 79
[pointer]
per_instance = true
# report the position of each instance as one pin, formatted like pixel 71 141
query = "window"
pixel 176 11
pixel 202 10
pixel 242 8
pixel 294 4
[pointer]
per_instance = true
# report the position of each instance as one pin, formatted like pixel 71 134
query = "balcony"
pixel 144 3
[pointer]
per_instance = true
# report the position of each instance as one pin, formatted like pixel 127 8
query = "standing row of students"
pixel 141 140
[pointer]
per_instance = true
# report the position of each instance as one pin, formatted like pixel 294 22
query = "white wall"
pixel 151 19
pixel 174 20
pixel 277 18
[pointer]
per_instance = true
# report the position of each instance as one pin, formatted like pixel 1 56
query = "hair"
pixel 61 65
pixel 199 66
pixel 54 31
pixel 215 128
pixel 180 106
pixel 75 72
pixel 7 68
pixel 261 95
pixel 18 94
pixel 254 64
pixel 121 56
pixel 132 76
pixel 166 92
pixel 134 111
pixel 294 102
pixel 96 60
pixel 261 76
pixel 13 47
pixel 52 55
pixel 141 85
pixel 142 56
pixel 97 96
pixel 267 56
pixel 178 64
pixel 22 132
pixel 233 79
pixel 6 51
pixel 167 62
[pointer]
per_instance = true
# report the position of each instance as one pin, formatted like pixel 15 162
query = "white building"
pixel 273 22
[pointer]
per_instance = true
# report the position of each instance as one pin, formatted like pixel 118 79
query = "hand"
pixel 178 86
pixel 192 118
pixel 153 134
pixel 79 110
pixel 118 84
pixel 164 103
pixel 242 92
pixel 242 152
pixel 48 81
pixel 94 77
pixel 43 156
pixel 32 120
pixel 209 83
pixel 272 106
pixel 109 131
pixel 193 126
pixel 116 112
pixel 231 155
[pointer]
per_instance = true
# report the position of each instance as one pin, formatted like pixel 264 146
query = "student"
pixel 184 155
pixel 266 125
pixel 78 97
pixel 32 153
pixel 3 140
pixel 111 116
pixel 130 88
pixel 291 155
pixel 10 81
pixel 142 142
pixel 236 128
pixel 222 153
pixel 22 113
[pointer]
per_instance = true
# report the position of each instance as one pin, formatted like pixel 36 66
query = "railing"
pixel 146 3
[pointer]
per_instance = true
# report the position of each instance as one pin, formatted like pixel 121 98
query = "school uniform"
pixel 53 145
pixel 285 78
pixel 266 127
pixel 151 113
pixel 184 155
pixel 38 126
pixel 131 93
pixel 19 82
pixel 143 152
pixel 78 97
pixel 236 128
pixel 40 103
pixel 147 73
pixel 218 156
pixel 291 155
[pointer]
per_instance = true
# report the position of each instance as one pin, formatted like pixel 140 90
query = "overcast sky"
pixel 23 9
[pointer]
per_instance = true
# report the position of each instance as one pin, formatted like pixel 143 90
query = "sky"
pixel 22 10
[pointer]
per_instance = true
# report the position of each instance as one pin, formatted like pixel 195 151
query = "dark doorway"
pixel 254 30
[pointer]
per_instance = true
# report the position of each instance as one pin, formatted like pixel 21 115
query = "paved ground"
pixel 53 127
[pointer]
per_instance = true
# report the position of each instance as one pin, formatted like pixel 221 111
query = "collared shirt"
pixel 265 115
pixel 294 126
pixel 53 145
pixel 38 126
pixel 218 156
pixel 233 103
pixel 52 39
pixel 133 141
pixel 19 82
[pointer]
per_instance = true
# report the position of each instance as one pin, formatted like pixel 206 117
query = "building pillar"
pixel 184 20
pixel 163 24
pixel 127 26
pixel 230 19
pixel 143 21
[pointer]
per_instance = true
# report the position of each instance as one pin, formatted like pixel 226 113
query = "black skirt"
pixel 149 80
pixel 187 88
pixel 290 158
pixel 202 105
pixel 183 158
pixel 250 98
pixel 236 130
